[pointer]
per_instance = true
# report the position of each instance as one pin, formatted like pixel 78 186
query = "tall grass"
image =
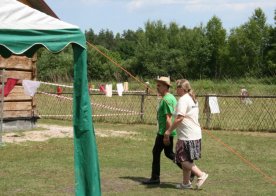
pixel 265 86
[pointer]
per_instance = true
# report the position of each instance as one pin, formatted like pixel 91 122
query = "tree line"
pixel 203 52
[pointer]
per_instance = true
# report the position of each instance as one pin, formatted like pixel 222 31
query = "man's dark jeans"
pixel 156 153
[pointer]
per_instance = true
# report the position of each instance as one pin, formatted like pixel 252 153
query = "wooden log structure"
pixel 17 105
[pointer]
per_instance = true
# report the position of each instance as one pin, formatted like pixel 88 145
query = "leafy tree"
pixel 174 36
pixel 216 35
pixel 151 50
pixel 271 52
pixel 237 53
pixel 55 67
pixel 156 34
pixel 126 44
pixel 199 53
pixel 100 68
pixel 258 33
pixel 196 50
pixel 176 63
pixel 90 36
pixel 247 45
pixel 106 39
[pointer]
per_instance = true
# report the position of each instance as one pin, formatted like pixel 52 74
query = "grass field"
pixel 46 168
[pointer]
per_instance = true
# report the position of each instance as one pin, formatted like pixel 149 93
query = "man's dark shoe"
pixel 151 181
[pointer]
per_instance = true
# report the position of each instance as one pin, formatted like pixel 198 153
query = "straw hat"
pixel 165 80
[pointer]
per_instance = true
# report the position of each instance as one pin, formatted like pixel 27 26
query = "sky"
pixel 120 15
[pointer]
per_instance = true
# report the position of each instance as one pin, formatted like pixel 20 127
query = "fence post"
pixel 207 111
pixel 142 107
pixel 2 104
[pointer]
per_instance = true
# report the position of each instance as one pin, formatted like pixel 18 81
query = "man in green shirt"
pixel 165 119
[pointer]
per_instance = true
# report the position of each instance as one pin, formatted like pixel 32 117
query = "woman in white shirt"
pixel 188 146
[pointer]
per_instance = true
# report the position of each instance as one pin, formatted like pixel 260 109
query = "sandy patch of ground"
pixel 55 131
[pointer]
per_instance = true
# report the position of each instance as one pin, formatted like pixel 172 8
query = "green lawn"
pixel 46 168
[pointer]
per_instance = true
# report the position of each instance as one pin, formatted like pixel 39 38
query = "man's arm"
pixel 169 130
pixel 168 120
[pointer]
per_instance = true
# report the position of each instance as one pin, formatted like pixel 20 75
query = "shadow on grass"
pixel 170 185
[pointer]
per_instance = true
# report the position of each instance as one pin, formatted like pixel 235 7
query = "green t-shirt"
pixel 165 107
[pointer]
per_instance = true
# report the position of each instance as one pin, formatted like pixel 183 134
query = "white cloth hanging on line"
pixel 120 89
pixel 30 87
pixel 108 89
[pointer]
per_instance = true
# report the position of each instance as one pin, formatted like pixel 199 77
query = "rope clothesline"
pixel 54 84
pixel 93 104
pixel 96 90
pixel 94 115
pixel 113 108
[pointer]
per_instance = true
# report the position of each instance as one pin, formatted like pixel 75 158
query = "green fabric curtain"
pixel 86 156
pixel 26 42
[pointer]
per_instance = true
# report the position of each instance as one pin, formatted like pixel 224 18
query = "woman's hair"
pixel 185 84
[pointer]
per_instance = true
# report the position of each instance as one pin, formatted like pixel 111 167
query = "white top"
pixel 189 128
pixel 16 15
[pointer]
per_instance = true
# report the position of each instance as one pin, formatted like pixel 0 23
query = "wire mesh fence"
pixel 251 113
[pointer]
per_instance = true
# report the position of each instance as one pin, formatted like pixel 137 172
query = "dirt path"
pixel 55 131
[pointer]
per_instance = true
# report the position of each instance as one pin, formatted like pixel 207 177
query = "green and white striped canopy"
pixel 22 31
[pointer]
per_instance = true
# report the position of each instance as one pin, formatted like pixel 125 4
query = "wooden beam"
pixel 17 62
pixel 17 94
pixel 15 106
pixel 21 75
pixel 18 114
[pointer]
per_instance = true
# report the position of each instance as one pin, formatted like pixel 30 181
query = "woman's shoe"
pixel 184 186
pixel 201 180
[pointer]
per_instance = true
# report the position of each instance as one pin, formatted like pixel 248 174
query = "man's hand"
pixel 166 139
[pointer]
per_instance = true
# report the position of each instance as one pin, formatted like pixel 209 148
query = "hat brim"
pixel 164 82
